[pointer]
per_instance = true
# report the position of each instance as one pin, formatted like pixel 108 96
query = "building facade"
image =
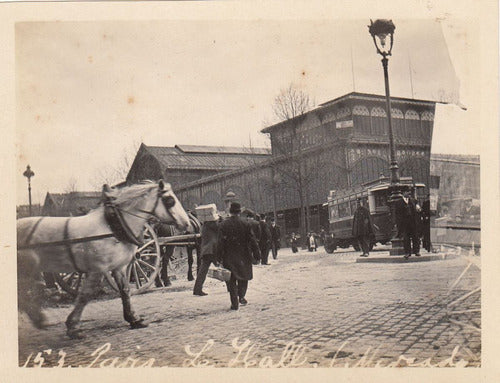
pixel 341 144
pixel 184 163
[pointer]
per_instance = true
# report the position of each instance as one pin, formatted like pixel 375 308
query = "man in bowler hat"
pixel 236 248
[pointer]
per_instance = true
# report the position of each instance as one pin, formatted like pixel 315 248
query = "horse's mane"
pixel 130 195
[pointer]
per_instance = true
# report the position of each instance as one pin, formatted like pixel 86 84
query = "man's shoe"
pixel 234 307
pixel 417 255
pixel 243 301
pixel 265 264
pixel 407 256
pixel 364 255
pixel 200 293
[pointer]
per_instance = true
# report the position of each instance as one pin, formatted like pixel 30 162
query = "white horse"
pixel 91 245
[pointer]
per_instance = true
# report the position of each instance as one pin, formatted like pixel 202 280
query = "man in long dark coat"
pixel 362 228
pixel 265 240
pixel 426 224
pixel 275 238
pixel 408 213
pixel 255 226
pixel 235 240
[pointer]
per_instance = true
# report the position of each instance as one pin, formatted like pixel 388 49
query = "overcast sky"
pixel 89 91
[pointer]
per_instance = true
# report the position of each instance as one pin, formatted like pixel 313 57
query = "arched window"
pixel 427 123
pixel 379 122
pixel 343 113
pixel 368 169
pixel 398 122
pixel 412 124
pixel 361 120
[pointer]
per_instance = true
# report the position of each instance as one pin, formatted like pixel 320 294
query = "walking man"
pixel 426 225
pixel 265 240
pixel 408 213
pixel 362 227
pixel 275 238
pixel 209 237
pixel 235 239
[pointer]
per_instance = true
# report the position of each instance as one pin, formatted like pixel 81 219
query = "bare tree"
pixel 71 186
pixel 118 173
pixel 288 145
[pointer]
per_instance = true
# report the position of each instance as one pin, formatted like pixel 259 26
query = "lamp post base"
pixel 397 247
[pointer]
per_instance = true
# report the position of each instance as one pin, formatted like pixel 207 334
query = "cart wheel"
pixel 145 265
pixel 70 282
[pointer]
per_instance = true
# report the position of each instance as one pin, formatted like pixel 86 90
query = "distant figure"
pixel 265 240
pixel 426 224
pixel 235 239
pixel 312 244
pixel 275 238
pixel 408 212
pixel 322 236
pixel 362 227
pixel 209 236
pixel 294 242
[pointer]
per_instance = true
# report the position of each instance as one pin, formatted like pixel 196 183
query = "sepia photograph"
pixel 254 188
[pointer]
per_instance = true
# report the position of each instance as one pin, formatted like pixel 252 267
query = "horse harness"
pixel 114 218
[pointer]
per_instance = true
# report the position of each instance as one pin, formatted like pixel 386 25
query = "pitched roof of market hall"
pixel 206 157
pixel 356 96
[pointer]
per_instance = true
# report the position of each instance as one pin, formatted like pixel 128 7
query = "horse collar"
pixel 117 223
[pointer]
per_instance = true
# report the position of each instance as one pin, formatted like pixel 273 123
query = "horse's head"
pixel 169 209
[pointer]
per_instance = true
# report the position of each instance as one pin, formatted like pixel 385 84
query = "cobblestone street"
pixel 305 309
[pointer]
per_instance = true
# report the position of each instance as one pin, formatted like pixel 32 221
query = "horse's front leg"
pixel 124 288
pixel 190 263
pixel 85 294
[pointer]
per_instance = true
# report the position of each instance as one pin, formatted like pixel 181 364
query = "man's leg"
pixel 201 276
pixel 242 289
pixel 415 242
pixel 364 244
pixel 406 242
pixel 233 292
pixel 264 254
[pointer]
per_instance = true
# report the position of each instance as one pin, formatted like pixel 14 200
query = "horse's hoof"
pixel 40 322
pixel 75 334
pixel 190 278
pixel 138 324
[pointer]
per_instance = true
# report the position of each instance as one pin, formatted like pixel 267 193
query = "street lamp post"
pixel 28 173
pixel 381 31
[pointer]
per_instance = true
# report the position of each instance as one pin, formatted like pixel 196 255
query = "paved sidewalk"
pixel 305 309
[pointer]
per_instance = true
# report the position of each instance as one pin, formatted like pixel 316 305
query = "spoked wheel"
pixel 70 282
pixel 145 266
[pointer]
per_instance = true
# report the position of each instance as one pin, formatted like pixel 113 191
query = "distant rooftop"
pixel 207 157
pixel 462 158
pixel 352 95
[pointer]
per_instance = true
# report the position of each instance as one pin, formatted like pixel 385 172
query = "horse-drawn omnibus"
pixel 342 205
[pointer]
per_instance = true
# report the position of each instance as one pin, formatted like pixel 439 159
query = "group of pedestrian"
pixel 237 244
pixel 413 223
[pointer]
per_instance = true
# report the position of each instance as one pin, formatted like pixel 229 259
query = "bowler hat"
pixel 235 208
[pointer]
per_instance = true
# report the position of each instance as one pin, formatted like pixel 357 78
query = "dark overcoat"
pixel 235 245
pixel 362 222
pixel 265 234
pixel 256 229
pixel 209 238
pixel 408 216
